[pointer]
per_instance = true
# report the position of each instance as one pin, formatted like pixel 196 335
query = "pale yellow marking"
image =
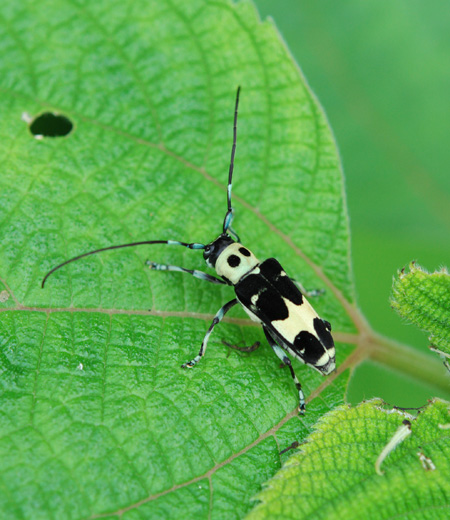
pixel 234 274
pixel 300 318
pixel 253 317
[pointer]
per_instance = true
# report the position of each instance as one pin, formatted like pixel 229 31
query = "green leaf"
pixel 334 473
pixel 97 417
pixel 423 298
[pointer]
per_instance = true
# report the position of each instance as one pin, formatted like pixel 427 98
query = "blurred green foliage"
pixel 379 70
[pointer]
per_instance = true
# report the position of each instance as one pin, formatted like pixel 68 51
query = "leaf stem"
pixel 407 360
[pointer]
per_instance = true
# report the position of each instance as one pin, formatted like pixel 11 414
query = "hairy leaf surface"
pixel 424 299
pixel 334 474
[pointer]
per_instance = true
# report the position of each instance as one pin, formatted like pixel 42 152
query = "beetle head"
pixel 213 249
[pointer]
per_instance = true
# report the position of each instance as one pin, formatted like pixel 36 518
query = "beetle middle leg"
pixel 312 293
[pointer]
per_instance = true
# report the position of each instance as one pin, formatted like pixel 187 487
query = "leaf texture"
pixel 334 476
pixel 424 299
pixel 97 417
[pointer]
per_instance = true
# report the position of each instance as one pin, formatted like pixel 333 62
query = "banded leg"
pixel 282 355
pixel 193 272
pixel 217 318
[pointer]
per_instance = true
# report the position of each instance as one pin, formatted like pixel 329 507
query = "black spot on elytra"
pixel 313 347
pixel 244 251
pixel 271 270
pixel 270 305
pixel 320 326
pixel 233 260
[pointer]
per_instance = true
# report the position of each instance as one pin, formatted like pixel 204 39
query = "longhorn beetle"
pixel 264 290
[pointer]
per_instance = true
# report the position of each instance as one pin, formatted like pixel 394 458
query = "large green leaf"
pixel 97 416
pixel 335 475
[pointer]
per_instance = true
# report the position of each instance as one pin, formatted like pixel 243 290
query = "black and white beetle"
pixel 263 289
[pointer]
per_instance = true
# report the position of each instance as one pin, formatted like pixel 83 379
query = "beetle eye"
pixel 206 252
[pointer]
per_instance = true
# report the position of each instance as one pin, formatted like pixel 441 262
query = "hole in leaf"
pixel 50 125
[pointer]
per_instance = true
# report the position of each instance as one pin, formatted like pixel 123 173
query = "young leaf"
pixel 334 474
pixel 424 299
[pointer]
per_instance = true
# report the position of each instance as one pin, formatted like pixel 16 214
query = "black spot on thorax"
pixel 244 251
pixel 233 260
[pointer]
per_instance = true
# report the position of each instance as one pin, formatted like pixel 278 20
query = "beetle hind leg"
pixel 245 348
pixel 286 361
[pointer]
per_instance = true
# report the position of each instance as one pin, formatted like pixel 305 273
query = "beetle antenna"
pixel 229 214
pixel 193 245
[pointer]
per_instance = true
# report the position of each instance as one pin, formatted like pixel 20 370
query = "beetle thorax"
pixel 234 262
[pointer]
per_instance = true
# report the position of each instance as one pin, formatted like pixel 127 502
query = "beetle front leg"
pixel 194 272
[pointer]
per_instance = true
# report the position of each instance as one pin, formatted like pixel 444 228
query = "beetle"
pixel 267 294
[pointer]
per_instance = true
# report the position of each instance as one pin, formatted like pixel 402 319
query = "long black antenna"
pixel 229 215
pixel 131 244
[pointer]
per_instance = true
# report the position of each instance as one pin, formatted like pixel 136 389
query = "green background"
pixel 380 71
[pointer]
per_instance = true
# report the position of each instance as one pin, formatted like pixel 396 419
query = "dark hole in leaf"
pixel 51 125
